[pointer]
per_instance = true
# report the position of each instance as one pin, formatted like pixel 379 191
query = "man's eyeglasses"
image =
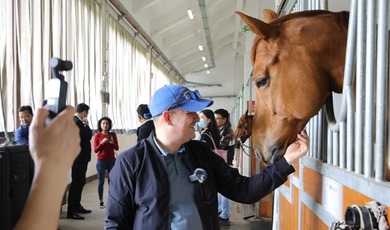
pixel 193 95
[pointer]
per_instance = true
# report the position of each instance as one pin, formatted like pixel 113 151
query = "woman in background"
pixel 105 143
pixel 208 128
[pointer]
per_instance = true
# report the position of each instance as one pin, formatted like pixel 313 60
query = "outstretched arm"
pixel 53 148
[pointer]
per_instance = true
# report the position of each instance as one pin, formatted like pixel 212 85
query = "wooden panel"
pixel 310 220
pixel 287 183
pixel 312 184
pixel 266 203
pixel 288 214
pixel 296 167
pixel 265 206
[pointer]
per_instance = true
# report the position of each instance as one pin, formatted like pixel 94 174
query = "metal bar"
pixel 335 149
pixel 382 76
pixel 314 138
pixel 350 57
pixel 347 106
pixel 319 137
pixel 350 128
pixel 343 145
pixel 329 151
pixel 370 73
pixel 360 69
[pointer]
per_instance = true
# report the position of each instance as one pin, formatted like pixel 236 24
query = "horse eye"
pixel 260 82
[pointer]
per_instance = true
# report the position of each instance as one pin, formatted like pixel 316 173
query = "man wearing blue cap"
pixel 170 181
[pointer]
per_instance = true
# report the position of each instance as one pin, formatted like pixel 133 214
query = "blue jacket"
pixel 21 135
pixel 139 193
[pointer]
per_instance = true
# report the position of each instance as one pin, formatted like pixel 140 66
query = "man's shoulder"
pixel 198 145
pixel 147 125
pixel 137 151
pixel 22 128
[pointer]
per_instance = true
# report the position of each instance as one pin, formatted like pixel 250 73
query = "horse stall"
pixel 348 164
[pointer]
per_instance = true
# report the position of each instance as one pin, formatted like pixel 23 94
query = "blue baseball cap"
pixel 176 96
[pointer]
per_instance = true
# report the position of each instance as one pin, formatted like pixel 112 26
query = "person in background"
pixel 80 165
pixel 170 181
pixel 144 118
pixel 105 143
pixel 26 115
pixel 227 136
pixel 226 132
pixel 209 128
pixel 53 148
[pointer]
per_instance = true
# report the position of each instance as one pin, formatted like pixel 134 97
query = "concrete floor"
pixel 95 220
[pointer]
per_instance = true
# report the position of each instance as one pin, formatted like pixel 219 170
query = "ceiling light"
pixel 205 65
pixel 208 72
pixel 200 47
pixel 204 58
pixel 190 15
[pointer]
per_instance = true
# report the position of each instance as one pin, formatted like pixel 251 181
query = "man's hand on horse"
pixel 298 148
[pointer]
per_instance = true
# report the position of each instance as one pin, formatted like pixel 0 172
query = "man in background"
pixel 226 143
pixel 25 116
pixel 80 165
pixel 144 117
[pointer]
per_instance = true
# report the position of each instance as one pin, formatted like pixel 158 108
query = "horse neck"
pixel 339 47
pixel 337 79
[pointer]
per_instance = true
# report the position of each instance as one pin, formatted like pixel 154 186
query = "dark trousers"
pixel 79 170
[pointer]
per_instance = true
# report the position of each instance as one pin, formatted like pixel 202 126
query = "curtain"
pixel 107 59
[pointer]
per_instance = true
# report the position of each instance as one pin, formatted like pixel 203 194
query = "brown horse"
pixel 244 129
pixel 298 60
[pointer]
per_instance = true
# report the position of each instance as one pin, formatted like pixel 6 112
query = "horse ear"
pixel 258 27
pixel 269 15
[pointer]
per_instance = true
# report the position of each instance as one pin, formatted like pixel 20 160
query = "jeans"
pixel 223 206
pixel 101 167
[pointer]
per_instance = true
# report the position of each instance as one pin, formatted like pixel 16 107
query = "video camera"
pixel 57 88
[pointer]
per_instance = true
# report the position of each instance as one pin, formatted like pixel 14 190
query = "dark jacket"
pixel 85 140
pixel 145 129
pixel 139 194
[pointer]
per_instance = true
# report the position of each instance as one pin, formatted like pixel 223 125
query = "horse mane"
pixel 310 13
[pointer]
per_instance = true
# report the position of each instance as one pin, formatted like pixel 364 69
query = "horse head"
pixel 244 128
pixel 298 60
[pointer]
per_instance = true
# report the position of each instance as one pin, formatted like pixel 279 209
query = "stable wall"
pixel 307 202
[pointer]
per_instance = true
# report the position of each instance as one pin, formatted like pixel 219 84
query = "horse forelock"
pixel 253 51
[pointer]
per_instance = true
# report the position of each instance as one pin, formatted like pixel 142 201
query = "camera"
pixel 56 90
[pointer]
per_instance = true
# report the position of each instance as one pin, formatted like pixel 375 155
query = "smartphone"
pixel 57 88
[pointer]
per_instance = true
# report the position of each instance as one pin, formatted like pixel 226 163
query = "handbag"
pixel 220 152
